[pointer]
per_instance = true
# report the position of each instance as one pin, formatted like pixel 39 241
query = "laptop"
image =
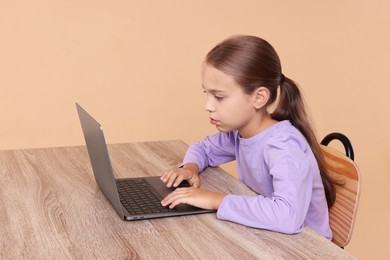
pixel 132 198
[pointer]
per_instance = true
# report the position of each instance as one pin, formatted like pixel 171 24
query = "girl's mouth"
pixel 213 121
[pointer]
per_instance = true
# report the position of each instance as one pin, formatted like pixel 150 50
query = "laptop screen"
pixel 100 159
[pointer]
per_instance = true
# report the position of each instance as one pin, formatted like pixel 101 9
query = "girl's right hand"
pixel 189 172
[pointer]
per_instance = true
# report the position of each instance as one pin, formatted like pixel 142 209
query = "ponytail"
pixel 253 62
pixel 291 107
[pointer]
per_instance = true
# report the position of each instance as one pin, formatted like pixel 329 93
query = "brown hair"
pixel 253 62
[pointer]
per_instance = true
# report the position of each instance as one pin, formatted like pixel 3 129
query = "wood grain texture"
pixel 51 208
pixel 343 213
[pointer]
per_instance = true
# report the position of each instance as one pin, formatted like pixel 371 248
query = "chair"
pixel 342 167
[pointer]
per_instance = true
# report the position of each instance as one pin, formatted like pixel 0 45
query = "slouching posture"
pixel 279 165
pixel 277 153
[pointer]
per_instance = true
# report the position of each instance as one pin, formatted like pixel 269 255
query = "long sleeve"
pixel 286 208
pixel 280 166
pixel 214 150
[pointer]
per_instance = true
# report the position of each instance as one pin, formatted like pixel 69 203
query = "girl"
pixel 277 154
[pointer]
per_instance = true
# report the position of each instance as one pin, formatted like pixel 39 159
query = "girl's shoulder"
pixel 284 133
pixel 279 132
pixel 283 128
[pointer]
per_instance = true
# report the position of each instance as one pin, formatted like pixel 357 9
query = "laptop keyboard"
pixel 137 197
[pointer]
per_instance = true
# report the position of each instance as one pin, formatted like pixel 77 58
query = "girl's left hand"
pixel 194 196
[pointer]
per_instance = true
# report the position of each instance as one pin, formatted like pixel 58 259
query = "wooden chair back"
pixel 343 212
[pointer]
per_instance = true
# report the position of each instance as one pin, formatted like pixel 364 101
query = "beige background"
pixel 135 65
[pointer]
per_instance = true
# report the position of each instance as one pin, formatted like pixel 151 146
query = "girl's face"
pixel 228 106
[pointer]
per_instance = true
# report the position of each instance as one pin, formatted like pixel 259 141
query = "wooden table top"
pixel 52 208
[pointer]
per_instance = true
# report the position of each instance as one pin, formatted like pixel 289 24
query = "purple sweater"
pixel 279 165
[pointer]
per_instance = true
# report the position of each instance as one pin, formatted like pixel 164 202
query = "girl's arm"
pixel 295 181
pixel 212 151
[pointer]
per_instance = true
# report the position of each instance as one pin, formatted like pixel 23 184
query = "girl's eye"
pixel 219 98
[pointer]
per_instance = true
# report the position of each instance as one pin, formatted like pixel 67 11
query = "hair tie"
pixel 282 78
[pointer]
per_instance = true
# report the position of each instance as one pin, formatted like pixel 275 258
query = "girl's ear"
pixel 261 97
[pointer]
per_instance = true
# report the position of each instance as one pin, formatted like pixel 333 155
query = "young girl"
pixel 277 154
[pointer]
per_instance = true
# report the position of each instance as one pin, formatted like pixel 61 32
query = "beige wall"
pixel 135 65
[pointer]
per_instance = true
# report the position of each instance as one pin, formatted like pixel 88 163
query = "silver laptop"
pixel 132 198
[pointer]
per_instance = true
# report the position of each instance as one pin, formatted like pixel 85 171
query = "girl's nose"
pixel 209 106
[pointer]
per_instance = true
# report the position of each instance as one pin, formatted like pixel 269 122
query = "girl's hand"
pixel 194 196
pixel 189 172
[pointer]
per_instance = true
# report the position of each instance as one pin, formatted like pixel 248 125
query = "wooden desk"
pixel 51 208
